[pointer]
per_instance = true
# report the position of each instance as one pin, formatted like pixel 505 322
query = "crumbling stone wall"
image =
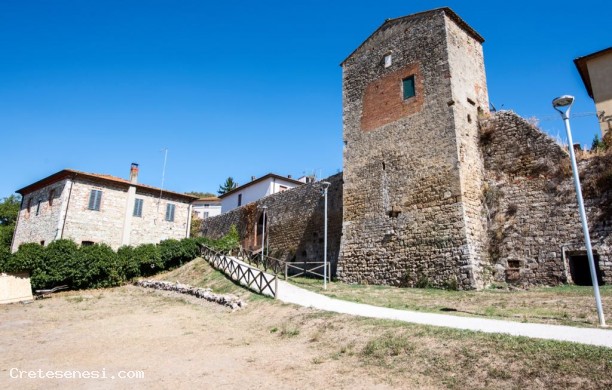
pixel 531 205
pixel 295 223
pixel 408 219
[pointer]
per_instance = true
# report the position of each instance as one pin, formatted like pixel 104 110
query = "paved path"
pixel 291 294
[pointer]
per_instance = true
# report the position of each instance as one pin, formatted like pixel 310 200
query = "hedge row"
pixel 63 262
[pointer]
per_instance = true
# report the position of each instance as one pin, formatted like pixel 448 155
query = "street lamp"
pixel 563 104
pixel 325 185
pixel 263 233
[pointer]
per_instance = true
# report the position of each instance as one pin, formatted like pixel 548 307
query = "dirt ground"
pixel 181 342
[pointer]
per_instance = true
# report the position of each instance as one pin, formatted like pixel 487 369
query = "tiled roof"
pixel 71 173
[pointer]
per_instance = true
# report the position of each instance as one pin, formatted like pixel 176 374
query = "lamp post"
pixel 563 104
pixel 325 185
pixel 263 233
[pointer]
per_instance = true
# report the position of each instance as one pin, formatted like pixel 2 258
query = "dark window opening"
pixel 579 269
pixel 469 118
pixel 42 243
pixel 38 208
pixel 87 243
pixel 239 200
pixel 51 195
pixel 514 264
pixel 408 87
pixel 383 165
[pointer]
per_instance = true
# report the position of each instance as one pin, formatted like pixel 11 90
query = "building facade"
pixel 596 72
pixel 206 207
pixel 256 189
pixel 91 208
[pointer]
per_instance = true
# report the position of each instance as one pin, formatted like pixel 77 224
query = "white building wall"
pixel 255 192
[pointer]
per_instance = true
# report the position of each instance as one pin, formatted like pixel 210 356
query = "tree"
pixel 229 185
pixel 9 210
pixel 201 194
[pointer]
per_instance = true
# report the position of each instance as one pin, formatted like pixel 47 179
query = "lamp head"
pixel 563 104
pixel 325 184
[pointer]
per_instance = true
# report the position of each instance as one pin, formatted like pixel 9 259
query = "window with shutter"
pixel 95 197
pixel 138 207
pixel 170 212
pixel 408 87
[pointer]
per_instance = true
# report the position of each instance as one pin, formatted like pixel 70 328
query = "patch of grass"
pixel 288 331
pixel 387 345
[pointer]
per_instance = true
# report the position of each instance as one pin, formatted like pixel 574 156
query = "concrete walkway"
pixel 291 294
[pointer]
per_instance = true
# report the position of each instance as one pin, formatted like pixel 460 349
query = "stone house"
pixel 436 190
pixel 93 208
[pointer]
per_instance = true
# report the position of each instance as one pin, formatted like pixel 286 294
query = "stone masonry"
pixel 412 210
pixel 57 207
pixel 437 191
pixel 295 223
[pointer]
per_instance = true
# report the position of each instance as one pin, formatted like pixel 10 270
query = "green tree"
pixel 598 145
pixel 229 185
pixel 9 210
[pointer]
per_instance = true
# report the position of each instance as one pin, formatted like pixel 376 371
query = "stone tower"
pixel 413 213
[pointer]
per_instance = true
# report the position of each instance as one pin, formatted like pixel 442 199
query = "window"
pixel 239 200
pixel 51 195
pixel 170 212
pixel 137 208
pixel 387 60
pixel 408 87
pixel 38 208
pixel 95 197
pixel 282 188
pixel 29 205
pixel 87 243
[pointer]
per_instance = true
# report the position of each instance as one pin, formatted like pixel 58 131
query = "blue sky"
pixel 241 88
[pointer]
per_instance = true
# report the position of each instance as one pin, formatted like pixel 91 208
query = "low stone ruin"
pixel 230 301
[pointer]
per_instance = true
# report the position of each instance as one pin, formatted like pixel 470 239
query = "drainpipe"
pixel 63 221
pixel 189 220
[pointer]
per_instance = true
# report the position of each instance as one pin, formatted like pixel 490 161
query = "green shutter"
pixel 408 87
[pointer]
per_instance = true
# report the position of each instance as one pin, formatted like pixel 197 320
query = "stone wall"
pixel 39 215
pixel 406 221
pixel 295 223
pixel 532 212
pixel 68 216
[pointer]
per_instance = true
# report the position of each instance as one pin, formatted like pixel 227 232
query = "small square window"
pixel 239 200
pixel 388 59
pixel 408 90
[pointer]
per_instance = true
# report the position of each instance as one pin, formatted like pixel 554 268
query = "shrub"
pixel 171 253
pixel 97 267
pixel 61 263
pixel 148 258
pixel 30 257
pixel 128 266
pixel 5 258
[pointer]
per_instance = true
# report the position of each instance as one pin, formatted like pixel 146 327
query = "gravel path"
pixel 291 294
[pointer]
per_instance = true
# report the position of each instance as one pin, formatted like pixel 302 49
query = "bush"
pixel 61 263
pixel 148 258
pixel 97 267
pixel 171 253
pixel 128 267
pixel 5 258
pixel 30 257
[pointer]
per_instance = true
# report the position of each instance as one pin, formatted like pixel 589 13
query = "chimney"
pixel 134 173
pixel 253 178
pixel 289 176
